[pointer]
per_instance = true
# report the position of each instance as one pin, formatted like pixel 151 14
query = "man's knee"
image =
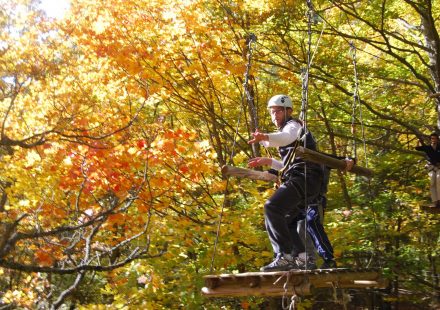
pixel 272 209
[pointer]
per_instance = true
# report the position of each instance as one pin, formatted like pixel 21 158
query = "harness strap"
pixel 291 158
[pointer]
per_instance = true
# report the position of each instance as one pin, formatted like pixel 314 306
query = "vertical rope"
pixel 249 98
pixel 357 105
pixel 304 107
pixel 312 17
pixel 355 99
pixel 225 194
pixel 252 39
pixel 305 71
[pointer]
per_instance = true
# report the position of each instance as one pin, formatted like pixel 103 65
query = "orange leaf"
pixel 43 258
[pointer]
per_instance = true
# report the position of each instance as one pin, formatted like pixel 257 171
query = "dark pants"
pixel 286 200
pixel 316 232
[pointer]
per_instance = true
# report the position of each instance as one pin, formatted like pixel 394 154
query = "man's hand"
pixel 349 163
pixel 259 161
pixel 258 136
pixel 347 213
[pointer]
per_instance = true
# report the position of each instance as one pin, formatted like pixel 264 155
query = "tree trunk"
pixel 432 42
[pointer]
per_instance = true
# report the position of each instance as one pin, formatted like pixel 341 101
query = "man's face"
pixel 434 140
pixel 279 115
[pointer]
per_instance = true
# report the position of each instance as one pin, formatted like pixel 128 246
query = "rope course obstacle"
pixel 294 282
pixel 307 155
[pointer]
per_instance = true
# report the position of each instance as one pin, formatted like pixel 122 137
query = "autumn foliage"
pixel 116 119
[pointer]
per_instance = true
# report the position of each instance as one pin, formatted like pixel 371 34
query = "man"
pixel 295 189
pixel 433 156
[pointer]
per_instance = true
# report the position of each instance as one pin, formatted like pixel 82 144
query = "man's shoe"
pixel 281 263
pixel 328 264
pixel 305 261
pixel 305 264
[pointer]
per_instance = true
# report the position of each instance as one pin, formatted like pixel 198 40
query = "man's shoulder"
pixel 293 123
pixel 422 148
pixel 294 120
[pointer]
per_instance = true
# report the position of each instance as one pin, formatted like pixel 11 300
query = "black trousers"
pixel 287 199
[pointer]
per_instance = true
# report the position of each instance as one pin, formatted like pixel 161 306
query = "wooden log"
pixel 319 158
pixel 294 282
pixel 248 173
pixel 268 284
pixel 307 155
pixel 302 289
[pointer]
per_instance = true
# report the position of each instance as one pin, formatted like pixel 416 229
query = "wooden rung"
pixel 307 155
pixel 319 158
pixel 248 173
pixel 294 282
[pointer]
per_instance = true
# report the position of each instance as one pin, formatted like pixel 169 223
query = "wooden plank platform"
pixel 294 282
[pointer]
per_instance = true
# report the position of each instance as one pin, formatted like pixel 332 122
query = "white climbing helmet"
pixel 280 101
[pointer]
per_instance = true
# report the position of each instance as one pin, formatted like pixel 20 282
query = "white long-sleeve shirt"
pixel 290 133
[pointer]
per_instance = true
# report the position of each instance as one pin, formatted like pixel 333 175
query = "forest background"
pixel 116 119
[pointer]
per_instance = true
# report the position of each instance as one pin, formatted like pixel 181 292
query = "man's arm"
pixel 288 135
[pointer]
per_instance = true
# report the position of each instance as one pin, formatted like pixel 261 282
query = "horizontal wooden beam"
pixel 307 155
pixel 248 173
pixel 303 289
pixel 319 158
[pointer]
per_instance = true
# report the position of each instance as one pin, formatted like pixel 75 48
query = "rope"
pixel 293 300
pixel 252 39
pixel 225 193
pixel 284 300
pixel 284 304
pixel 305 71
pixel 356 97
pixel 357 105
pixel 250 99
pixel 304 106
